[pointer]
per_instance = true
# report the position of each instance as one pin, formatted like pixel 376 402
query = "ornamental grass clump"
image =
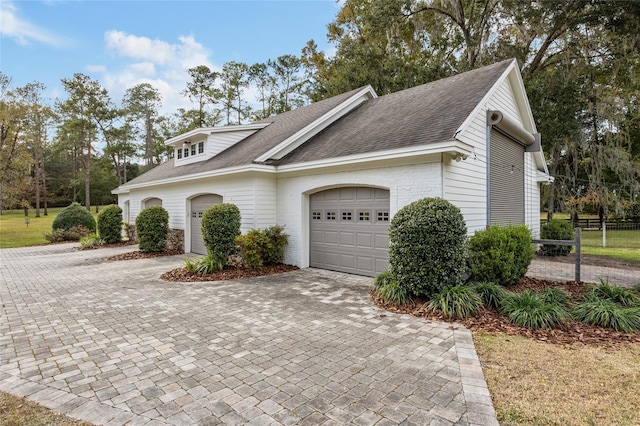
pixel 204 265
pixel 390 290
pixel 427 246
pixel 456 302
pixel 500 254
pixel 607 313
pixel 492 294
pixel 620 295
pixel 557 296
pixel 529 309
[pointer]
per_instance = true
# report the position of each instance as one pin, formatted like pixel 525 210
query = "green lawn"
pixel 623 245
pixel 15 232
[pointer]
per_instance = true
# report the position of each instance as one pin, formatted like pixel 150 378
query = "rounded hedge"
pixel 500 254
pixel 152 228
pixel 72 216
pixel 427 246
pixel 556 229
pixel 110 224
pixel 220 228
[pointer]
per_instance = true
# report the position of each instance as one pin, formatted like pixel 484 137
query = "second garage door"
pixel 349 230
pixel 198 206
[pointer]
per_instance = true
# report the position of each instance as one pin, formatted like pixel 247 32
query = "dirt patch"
pixel 143 255
pixel 589 259
pixel 488 320
pixel 228 273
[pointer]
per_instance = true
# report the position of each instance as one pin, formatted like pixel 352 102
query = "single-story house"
pixel 335 172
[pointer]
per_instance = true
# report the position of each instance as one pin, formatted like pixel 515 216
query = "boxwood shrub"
pixel 72 216
pixel 110 224
pixel 500 254
pixel 427 246
pixel 220 228
pixel 556 229
pixel 152 228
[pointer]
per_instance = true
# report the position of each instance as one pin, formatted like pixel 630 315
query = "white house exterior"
pixel 335 172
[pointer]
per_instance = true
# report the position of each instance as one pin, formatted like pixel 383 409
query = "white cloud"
pixel 23 31
pixel 96 68
pixel 162 64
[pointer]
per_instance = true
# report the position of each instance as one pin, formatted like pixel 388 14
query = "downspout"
pixel 488 162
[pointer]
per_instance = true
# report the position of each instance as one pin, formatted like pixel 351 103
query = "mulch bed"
pixel 228 273
pixel 143 255
pixel 488 320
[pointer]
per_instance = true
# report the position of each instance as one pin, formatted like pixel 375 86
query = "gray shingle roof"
pixel 244 152
pixel 421 115
pixel 425 114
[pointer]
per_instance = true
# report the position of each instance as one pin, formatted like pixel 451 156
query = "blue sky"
pixel 123 43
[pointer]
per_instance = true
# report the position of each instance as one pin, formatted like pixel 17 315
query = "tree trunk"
pixel 148 152
pixel 37 180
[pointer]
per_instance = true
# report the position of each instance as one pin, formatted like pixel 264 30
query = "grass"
pixel 535 383
pixel 15 411
pixel 624 245
pixel 14 231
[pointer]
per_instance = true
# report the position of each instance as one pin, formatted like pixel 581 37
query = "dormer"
pixel 207 142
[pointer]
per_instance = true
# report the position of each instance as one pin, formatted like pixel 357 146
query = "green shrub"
pixel 152 228
pixel 500 254
pixel 427 246
pixel 90 241
pixel 74 215
pixel 620 295
pixel 75 233
pixel 252 248
pixel 220 228
pixel 607 313
pixel 204 265
pixel 456 302
pixel 389 290
pixel 556 229
pixel 528 309
pixel 110 224
pixel 492 294
pixel 262 247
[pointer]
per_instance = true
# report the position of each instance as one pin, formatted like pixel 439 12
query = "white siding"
pixel 405 183
pixel 213 145
pixel 254 195
pixel 465 182
pixel 531 195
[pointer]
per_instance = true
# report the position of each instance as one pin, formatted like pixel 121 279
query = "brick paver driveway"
pixel 111 343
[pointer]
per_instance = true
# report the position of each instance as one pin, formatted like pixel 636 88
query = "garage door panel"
pixel 198 206
pixel 349 230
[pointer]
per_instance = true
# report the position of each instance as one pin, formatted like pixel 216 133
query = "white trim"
pixel 315 127
pixel 206 131
pixel 453 147
pixel 257 168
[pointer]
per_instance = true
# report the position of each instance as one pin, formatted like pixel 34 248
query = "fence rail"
pixel 594 223
pixel 577 242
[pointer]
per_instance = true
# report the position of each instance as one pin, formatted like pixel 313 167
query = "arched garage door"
pixel 349 230
pixel 198 206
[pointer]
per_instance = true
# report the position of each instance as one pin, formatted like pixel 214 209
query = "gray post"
pixel 578 242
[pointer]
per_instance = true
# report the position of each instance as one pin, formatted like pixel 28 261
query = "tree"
pixel 142 103
pixel 234 81
pixel 288 82
pixel 202 90
pixel 15 160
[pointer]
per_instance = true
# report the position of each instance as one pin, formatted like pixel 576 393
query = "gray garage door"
pixel 198 206
pixel 507 180
pixel 349 230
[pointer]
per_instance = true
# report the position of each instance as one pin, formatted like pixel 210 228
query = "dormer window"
pixel 200 147
pixel 179 150
pixel 186 151
pixel 193 149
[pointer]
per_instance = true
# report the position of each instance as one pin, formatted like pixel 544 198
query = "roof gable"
pixel 422 115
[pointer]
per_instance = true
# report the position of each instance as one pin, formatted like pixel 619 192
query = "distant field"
pixel 15 232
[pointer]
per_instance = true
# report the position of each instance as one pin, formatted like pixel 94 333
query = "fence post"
pixel 604 234
pixel 578 242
